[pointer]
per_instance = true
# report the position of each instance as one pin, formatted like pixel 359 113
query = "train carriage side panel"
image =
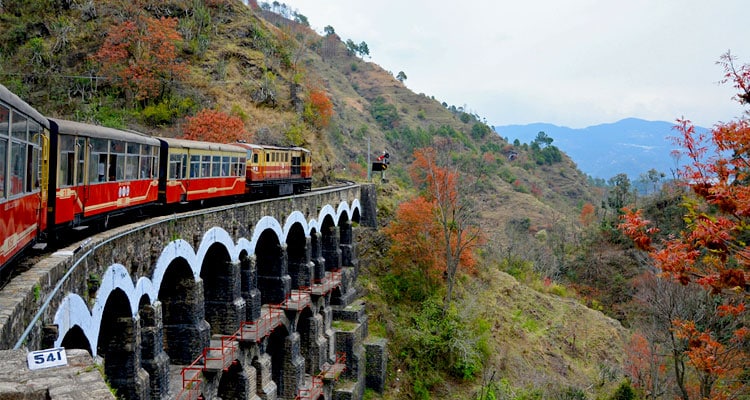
pixel 100 171
pixel 23 197
pixel 197 170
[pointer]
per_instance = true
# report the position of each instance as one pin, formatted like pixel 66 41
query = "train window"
pixel 225 166
pixel 81 152
pixel 35 133
pixel 154 160
pixel 255 158
pixel 184 166
pixel 146 166
pixel 96 165
pixel 176 169
pixel 145 162
pixel 3 159
pixel 19 130
pixel 205 166
pixel 131 167
pixel 216 166
pixel 133 148
pixel 67 160
pixel 17 168
pixel 268 157
pixel 4 120
pixel 117 160
pixel 236 171
pixel 131 162
pixel 195 166
pixel 99 145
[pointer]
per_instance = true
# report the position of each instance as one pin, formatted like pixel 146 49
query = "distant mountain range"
pixel 632 146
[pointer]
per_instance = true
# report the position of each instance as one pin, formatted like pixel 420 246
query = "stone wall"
pixel 337 323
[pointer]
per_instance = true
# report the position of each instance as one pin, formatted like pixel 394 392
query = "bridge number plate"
pixel 47 358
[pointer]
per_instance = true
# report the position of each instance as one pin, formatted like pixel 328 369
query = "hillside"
pixel 263 67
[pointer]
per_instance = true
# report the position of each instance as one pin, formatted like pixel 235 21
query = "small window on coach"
pixel 225 166
pixel 17 168
pixel 216 166
pixel 67 161
pixel 177 166
pixel 195 166
pixel 19 130
pixel 117 160
pixel 146 162
pixel 238 164
pixel 131 162
pixel 205 166
pixel 81 159
pixel 98 160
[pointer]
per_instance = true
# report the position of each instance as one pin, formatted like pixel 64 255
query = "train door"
pixel 81 156
pixel 43 174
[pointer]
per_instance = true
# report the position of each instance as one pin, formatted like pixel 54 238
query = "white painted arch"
pixel 74 311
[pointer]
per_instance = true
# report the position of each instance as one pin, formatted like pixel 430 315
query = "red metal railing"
pixel 324 285
pixel 329 371
pixel 270 318
pixel 191 380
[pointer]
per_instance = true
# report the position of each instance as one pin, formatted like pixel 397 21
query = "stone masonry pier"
pixel 246 301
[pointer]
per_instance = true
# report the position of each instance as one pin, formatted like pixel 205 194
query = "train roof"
pixel 199 145
pixel 269 147
pixel 95 131
pixel 16 103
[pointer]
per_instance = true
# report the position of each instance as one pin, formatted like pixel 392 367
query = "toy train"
pixel 57 174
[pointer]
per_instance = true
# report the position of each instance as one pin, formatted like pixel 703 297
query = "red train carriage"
pixel 193 170
pixel 24 143
pixel 99 172
pixel 275 170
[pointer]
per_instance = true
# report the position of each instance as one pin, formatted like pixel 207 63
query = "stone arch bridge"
pixel 246 301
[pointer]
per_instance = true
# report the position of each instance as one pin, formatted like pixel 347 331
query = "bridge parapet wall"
pixel 38 293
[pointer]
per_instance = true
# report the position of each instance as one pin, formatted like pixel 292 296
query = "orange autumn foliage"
pixel 140 56
pixel 215 126
pixel 415 233
pixel 436 231
pixel 712 250
pixel 320 109
pixel 588 214
pixel 644 365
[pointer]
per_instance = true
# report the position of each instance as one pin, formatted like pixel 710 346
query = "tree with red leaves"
pixel 141 57
pixel 319 109
pixel 714 248
pixel 215 126
pixel 455 215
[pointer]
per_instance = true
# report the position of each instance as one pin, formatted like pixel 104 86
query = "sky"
pixel 573 63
